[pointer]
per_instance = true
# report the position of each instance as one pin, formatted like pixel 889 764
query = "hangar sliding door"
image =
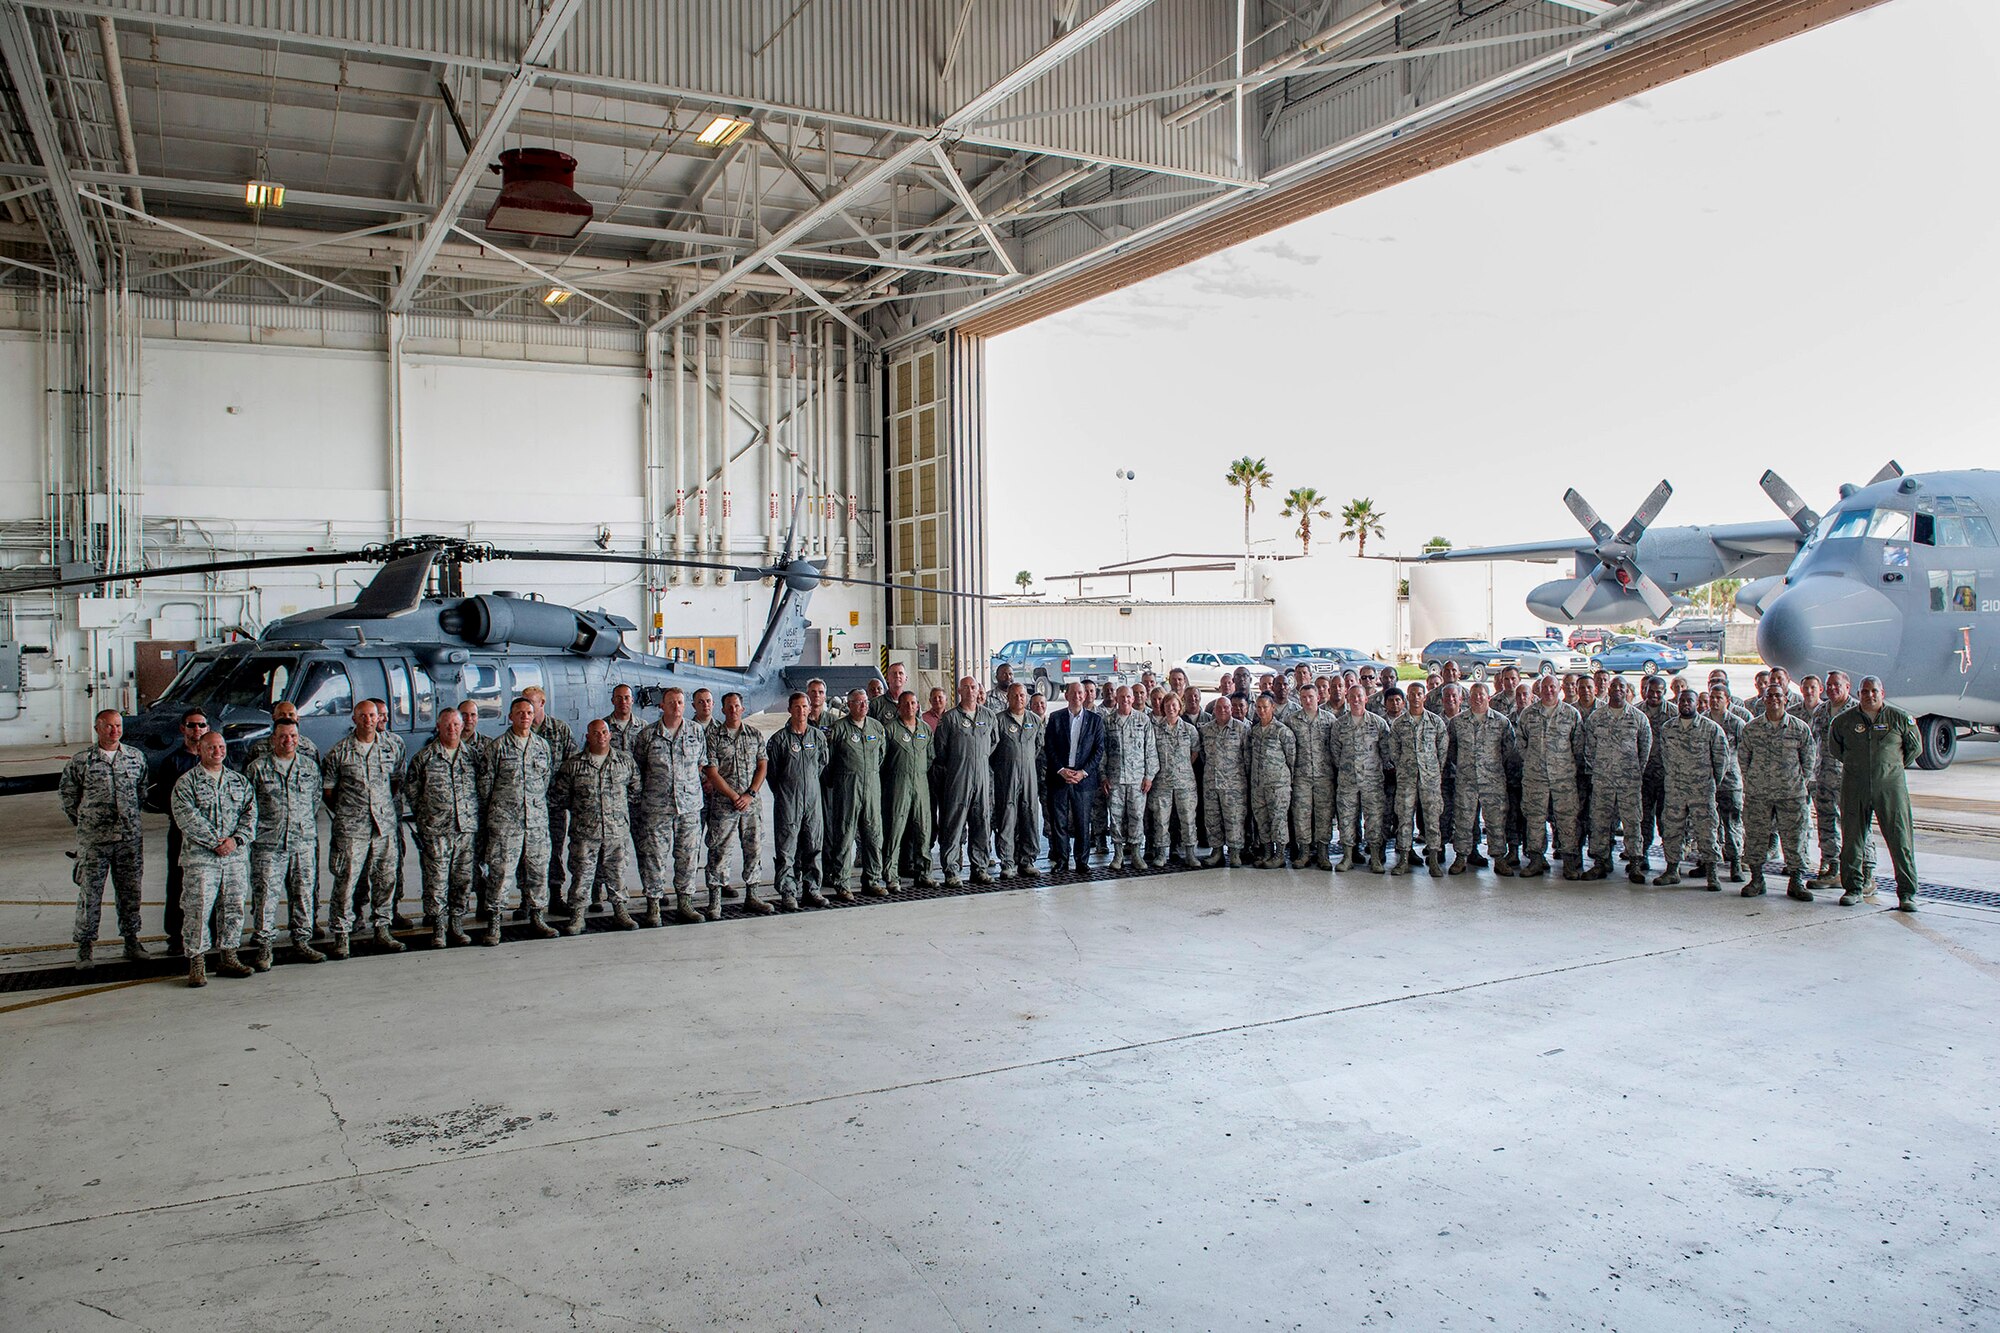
pixel 936 463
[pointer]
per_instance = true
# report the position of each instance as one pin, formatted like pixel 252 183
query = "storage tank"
pixel 1331 601
pixel 1480 597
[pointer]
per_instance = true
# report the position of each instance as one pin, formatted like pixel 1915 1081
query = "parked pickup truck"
pixel 1048 664
pixel 1284 656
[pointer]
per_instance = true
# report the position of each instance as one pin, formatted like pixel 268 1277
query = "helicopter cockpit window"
pixel 327 691
pixel 254 682
pixel 1889 525
pixel 481 681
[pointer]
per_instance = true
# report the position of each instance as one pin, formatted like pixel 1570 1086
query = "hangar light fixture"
pixel 263 194
pixel 538 195
pixel 722 132
pixel 555 296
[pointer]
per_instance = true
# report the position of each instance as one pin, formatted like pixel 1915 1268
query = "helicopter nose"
pixel 1827 621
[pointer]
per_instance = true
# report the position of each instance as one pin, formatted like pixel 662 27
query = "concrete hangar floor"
pixel 1211 1100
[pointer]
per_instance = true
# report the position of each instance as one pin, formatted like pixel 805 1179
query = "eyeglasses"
pixel 194 726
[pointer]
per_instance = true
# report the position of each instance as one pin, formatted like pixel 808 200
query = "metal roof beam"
pixel 238 251
pixel 812 294
pixel 17 48
pixel 547 36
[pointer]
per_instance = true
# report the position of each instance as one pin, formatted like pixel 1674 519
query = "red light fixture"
pixel 538 195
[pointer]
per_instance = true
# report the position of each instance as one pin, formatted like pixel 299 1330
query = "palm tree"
pixel 1437 544
pixel 1024 578
pixel 1305 504
pixel 1361 520
pixel 1249 473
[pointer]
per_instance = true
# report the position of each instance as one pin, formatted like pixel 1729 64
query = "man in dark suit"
pixel 1075 748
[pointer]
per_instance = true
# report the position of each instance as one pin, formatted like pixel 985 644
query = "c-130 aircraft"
pixel 1900 579
pixel 414 638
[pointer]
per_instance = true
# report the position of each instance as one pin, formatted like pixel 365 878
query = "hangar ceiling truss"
pixel 901 166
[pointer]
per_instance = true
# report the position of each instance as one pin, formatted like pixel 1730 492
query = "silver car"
pixel 1539 657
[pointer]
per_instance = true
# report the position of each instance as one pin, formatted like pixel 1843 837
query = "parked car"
pixel 1647 655
pixel 1278 657
pixel 1205 669
pixel 1588 638
pixel 1048 664
pixel 1692 633
pixel 1538 657
pixel 1476 658
pixel 1352 659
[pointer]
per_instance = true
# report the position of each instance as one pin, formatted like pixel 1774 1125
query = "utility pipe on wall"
pixel 725 502
pixel 701 544
pixel 778 510
pixel 851 462
pixel 679 437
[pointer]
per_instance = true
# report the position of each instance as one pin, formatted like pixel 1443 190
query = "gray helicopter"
pixel 414 638
pixel 1900 579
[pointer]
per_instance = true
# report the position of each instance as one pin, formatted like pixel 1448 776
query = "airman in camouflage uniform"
pixel 216 812
pixel 562 744
pixel 513 812
pixel 1778 760
pixel 1361 755
pixel 1421 744
pixel 1826 786
pixel 856 746
pixel 962 785
pixel 1017 784
pixel 670 754
pixel 1178 743
pixel 1312 812
pixel 1729 796
pixel 1617 741
pixel 1550 742
pixel 794 759
pixel 1131 761
pixel 442 787
pixel 735 771
pixel 596 789
pixel 623 723
pixel 363 779
pixel 1483 740
pixel 284 860
pixel 1653 785
pixel 1695 758
pixel 102 790
pixel 906 790
pixel 282 711
pixel 1225 784
pixel 1271 752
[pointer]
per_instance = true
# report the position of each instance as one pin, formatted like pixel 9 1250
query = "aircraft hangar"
pixel 710 282
pixel 621 274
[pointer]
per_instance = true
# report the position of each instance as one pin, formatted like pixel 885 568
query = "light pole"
pixel 1127 476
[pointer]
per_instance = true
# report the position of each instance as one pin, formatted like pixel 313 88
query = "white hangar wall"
pixel 1161 632
pixel 254 439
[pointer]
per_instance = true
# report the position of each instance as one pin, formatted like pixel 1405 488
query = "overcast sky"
pixel 1790 261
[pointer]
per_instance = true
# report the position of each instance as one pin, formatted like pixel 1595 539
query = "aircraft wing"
pixel 1778 537
pixel 1546 551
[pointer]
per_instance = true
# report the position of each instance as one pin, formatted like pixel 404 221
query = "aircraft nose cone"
pixel 1826 622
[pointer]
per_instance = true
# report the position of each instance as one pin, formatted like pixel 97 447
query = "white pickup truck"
pixel 1047 665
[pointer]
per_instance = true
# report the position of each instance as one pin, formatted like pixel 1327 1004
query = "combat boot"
pixel 1755 888
pixel 1669 877
pixel 713 912
pixel 197 971
pixel 788 902
pixel 538 927
pixel 1507 867
pixel 227 964
pixel 1478 861
pixel 1906 903
pixel 1434 859
pixel 439 933
pixel 260 961
pixel 1459 864
pixel 384 940
pixel 1795 888
pixel 814 898
pixel 877 890
pixel 1006 873
pixel 1636 871
pixel 1849 899
pixel 652 916
pixel 1158 860
pixel 929 881
pixel 1376 864
pixel 755 906
pixel 303 952
pixel 1707 869
pixel 575 924
pixel 1572 868
pixel 454 930
pixel 135 952
pixel 84 962
pixel 337 949
pixel 1538 864
pixel 685 911
pixel 981 875
pixel 1827 878
pixel 1117 861
pixel 1321 860
pixel 1735 871
pixel 1405 862
pixel 1598 870
pixel 491 935
pixel 1346 861
pixel 1215 859
pixel 621 917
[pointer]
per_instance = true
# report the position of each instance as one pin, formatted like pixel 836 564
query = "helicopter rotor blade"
pixel 210 567
pixel 1802 516
pixel 620 558
pixel 915 587
pixel 792 532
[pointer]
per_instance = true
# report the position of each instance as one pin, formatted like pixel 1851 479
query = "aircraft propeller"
pixel 1616 553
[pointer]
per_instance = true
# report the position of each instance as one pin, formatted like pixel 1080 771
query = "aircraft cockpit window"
pixel 1952 520
pixel 327 691
pixel 1889 525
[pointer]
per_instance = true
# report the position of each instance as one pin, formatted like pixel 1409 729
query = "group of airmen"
pixel 1288 770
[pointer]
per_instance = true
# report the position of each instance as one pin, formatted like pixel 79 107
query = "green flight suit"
pixel 1873 754
pixel 906 790
pixel 855 750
